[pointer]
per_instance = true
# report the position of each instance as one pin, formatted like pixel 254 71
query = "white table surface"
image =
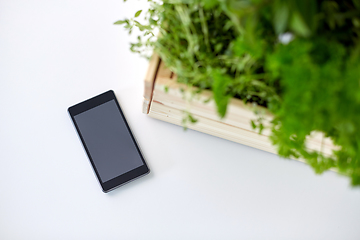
pixel 54 54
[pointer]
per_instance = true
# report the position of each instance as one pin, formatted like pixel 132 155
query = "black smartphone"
pixel 108 141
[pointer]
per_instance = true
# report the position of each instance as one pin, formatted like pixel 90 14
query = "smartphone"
pixel 108 141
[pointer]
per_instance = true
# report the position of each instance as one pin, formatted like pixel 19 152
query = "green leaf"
pixel 219 88
pixel 253 125
pixel 261 128
pixel 281 16
pixel 356 3
pixel 218 47
pixel 307 11
pixel 120 22
pixel 208 4
pixel 209 99
pixel 299 26
pixel 192 119
pixel 138 13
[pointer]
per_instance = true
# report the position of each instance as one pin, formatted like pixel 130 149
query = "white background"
pixel 54 54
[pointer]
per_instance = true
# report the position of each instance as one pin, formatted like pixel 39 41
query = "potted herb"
pixel 300 59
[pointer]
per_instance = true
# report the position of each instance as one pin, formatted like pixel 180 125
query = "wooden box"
pixel 166 100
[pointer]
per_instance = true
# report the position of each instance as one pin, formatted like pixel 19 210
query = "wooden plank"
pixel 163 72
pixel 209 126
pixel 149 82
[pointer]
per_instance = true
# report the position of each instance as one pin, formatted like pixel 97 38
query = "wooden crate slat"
pixel 219 129
pixel 149 81
pixel 239 114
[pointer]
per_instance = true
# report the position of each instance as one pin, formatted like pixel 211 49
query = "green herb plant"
pixel 299 58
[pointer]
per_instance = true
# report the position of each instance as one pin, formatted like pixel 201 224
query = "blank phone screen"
pixel 108 140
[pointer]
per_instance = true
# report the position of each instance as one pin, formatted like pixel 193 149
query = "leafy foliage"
pixel 298 58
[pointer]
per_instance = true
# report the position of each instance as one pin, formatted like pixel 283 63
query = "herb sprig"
pixel 299 58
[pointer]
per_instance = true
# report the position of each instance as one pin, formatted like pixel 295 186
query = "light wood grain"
pixel 149 81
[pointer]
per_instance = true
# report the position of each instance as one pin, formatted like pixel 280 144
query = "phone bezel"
pixel 122 178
